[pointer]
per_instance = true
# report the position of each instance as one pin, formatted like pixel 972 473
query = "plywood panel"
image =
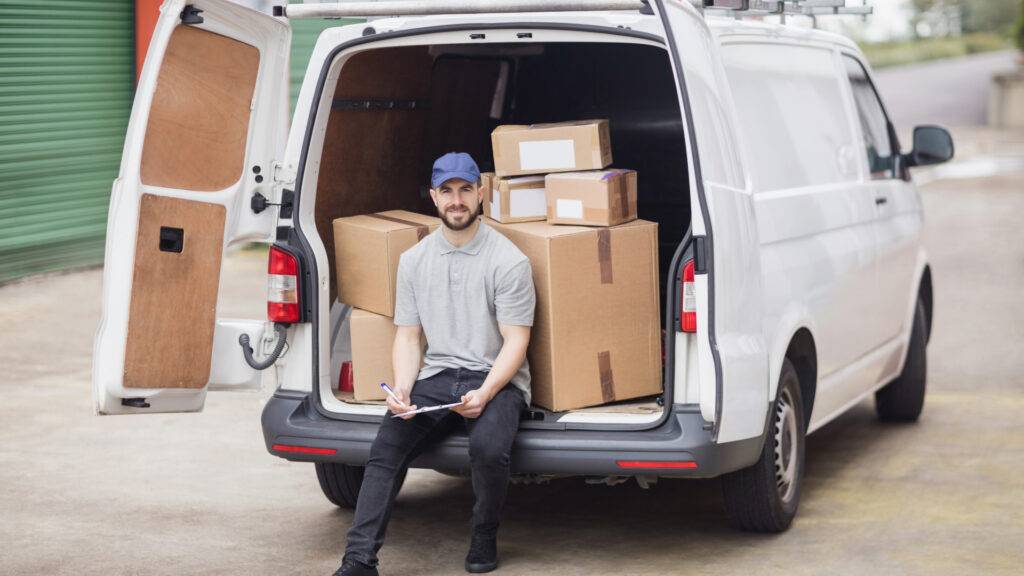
pixel 372 159
pixel 174 295
pixel 199 120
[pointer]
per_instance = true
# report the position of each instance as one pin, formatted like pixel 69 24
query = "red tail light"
pixel 304 450
pixel 283 290
pixel 688 300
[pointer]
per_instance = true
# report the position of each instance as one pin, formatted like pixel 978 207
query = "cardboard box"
pixel 520 199
pixel 558 147
pixel 594 198
pixel 486 181
pixel 367 248
pixel 373 337
pixel 597 331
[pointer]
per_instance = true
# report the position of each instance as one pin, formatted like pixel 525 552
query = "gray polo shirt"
pixel 460 295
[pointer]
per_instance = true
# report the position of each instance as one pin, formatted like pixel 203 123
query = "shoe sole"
pixel 480 568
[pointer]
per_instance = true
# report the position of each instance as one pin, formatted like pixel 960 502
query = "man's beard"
pixel 457 227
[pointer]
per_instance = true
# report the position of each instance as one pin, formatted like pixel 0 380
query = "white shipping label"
pixel 547 155
pixel 527 202
pixel 495 205
pixel 569 208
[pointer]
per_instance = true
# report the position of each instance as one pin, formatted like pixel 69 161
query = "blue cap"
pixel 454 165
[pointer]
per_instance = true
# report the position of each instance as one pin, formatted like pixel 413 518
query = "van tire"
pixel 903 399
pixel 755 498
pixel 340 482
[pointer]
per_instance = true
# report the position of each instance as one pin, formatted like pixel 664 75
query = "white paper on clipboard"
pixel 428 409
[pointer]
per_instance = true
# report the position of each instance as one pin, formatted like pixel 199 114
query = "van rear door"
pixel 732 354
pixel 210 117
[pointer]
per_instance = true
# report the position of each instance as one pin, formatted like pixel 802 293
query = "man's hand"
pixel 474 403
pixel 397 408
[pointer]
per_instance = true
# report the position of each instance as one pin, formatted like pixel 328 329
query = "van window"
pixel 874 124
pixel 789 104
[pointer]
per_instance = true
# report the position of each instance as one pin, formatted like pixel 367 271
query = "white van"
pixel 794 282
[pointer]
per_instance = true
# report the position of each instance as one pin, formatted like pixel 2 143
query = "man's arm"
pixel 406 356
pixel 510 358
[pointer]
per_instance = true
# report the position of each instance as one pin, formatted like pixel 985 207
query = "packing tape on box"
pixel 604 254
pixel 421 230
pixel 604 366
pixel 621 189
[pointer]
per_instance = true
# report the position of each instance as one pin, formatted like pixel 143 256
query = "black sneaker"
pixel 483 554
pixel 353 568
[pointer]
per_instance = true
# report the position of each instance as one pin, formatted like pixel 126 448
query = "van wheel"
pixel 764 497
pixel 903 399
pixel 340 482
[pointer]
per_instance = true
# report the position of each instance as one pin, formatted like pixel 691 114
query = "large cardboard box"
pixel 597 334
pixel 593 198
pixel 367 248
pixel 558 147
pixel 520 199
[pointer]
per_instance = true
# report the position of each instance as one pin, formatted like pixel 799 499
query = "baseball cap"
pixel 454 165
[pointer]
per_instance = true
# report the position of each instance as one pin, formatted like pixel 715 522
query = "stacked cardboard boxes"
pixel 367 248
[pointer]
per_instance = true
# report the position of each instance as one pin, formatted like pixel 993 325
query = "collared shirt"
pixel 459 295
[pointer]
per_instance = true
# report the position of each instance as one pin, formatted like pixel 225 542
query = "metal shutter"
pixel 304 35
pixel 66 88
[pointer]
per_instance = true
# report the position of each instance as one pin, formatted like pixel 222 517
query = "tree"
pixel 953 17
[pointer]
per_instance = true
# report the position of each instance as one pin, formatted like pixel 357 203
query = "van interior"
pixel 396 109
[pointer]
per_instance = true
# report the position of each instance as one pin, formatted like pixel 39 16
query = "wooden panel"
pixel 199 120
pixel 375 160
pixel 174 295
pixel 372 159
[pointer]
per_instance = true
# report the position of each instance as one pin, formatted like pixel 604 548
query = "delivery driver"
pixel 470 291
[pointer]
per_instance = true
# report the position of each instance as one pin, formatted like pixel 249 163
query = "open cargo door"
pixel 732 353
pixel 210 117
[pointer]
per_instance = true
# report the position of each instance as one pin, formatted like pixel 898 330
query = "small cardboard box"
pixel 373 336
pixel 367 248
pixel 486 182
pixel 597 333
pixel 594 198
pixel 520 199
pixel 558 147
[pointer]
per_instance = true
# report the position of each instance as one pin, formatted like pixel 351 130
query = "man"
pixel 470 291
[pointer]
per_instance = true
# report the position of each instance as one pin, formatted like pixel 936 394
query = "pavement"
pixel 198 493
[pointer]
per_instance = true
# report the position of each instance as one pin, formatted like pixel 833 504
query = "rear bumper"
pixel 290 419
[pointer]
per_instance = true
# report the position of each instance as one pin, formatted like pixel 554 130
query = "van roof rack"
pixel 812 8
pixel 384 8
pixel 361 9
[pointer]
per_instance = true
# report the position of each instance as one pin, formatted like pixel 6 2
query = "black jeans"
pixel 400 441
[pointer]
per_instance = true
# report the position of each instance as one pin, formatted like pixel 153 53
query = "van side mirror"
pixel 932 145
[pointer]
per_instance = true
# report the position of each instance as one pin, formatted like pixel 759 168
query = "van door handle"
pixel 881 200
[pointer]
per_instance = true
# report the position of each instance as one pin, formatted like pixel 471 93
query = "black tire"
pixel 903 399
pixel 340 482
pixel 765 496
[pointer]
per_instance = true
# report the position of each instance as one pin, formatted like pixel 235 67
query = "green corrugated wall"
pixel 67 78
pixel 66 75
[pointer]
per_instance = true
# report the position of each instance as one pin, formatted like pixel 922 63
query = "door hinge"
pixel 283 174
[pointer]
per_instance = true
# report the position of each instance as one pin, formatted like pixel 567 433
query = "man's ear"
pixel 433 196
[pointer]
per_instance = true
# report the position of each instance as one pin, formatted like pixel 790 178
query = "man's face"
pixel 458 202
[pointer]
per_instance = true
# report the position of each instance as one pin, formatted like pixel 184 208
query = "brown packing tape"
pixel 421 230
pixel 604 254
pixel 622 189
pixel 604 366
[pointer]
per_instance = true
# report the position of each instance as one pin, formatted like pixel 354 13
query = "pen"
pixel 392 394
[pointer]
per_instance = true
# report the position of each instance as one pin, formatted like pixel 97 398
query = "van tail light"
pixel 283 290
pixel 688 300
